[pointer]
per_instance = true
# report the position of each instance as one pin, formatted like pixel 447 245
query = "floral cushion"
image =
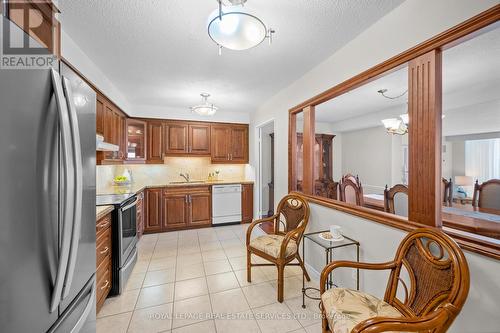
pixel 271 244
pixel 345 308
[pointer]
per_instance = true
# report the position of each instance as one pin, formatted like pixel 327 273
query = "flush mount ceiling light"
pixel 204 109
pixel 233 27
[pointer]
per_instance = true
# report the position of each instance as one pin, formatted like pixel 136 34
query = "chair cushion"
pixel 271 244
pixel 345 308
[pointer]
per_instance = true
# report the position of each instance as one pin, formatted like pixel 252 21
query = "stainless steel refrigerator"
pixel 47 201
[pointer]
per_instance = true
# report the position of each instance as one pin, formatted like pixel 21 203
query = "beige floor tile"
pixel 239 322
pixel 141 266
pixel 119 304
pixel 161 264
pixel 186 272
pixel 210 246
pixel 292 287
pixel 213 255
pixel 310 315
pixel 238 263
pixel 231 242
pixel 192 310
pixel 207 326
pixel 301 330
pixel 229 301
pixel 114 324
pixel 164 252
pixel 225 234
pixel 293 271
pixel 189 259
pixel 159 277
pixel 168 236
pixel 314 328
pixel 149 238
pixel 223 281
pixel 190 288
pixel 257 276
pixel 135 281
pixel 156 295
pixel 236 251
pixel 275 318
pixel 151 320
pixel 189 249
pixel 216 267
pixel 260 294
pixel 271 272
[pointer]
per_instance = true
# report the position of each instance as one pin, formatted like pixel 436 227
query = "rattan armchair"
pixel 280 247
pixel 438 277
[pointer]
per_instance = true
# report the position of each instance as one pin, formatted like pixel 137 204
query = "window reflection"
pixel 471 134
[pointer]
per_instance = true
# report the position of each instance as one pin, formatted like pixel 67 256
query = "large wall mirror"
pixel 471 134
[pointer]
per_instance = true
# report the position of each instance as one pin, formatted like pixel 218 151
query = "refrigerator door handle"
pixel 67 193
pixel 78 186
pixel 79 324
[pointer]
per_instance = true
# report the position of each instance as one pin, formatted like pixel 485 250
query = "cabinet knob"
pixel 106 284
pixel 106 249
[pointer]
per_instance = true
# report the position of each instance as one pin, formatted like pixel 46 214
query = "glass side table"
pixel 328 247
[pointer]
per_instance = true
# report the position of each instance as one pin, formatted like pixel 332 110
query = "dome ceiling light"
pixel 233 27
pixel 204 109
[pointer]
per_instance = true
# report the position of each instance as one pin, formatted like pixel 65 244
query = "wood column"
pixel 292 152
pixel 424 108
pixel 309 140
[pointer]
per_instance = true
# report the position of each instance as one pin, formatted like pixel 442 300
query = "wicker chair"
pixel 281 246
pixel 438 277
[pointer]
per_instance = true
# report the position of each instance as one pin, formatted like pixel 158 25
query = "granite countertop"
pixel 102 211
pixel 137 187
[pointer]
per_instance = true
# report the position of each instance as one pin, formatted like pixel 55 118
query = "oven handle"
pixel 131 205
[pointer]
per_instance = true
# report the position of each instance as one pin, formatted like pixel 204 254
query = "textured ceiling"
pixel 157 52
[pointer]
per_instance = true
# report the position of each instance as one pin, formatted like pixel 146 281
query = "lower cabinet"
pixel 103 260
pixel 246 203
pixel 140 214
pixel 179 208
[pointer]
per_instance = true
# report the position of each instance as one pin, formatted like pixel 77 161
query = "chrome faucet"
pixel 185 176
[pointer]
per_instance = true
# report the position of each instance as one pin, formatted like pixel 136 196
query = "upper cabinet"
pixel 111 123
pixel 187 138
pixel 155 136
pixel 229 143
pixel 136 140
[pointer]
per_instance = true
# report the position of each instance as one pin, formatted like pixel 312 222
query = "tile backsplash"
pixel 151 174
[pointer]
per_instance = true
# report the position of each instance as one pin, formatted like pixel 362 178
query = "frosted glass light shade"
pixel 236 29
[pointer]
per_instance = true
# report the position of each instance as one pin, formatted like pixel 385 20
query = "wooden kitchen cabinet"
pixel 111 123
pixel 229 143
pixel 140 214
pixel 176 141
pixel 199 139
pixel 103 259
pixel 175 210
pixel 246 203
pixel 187 138
pixel 136 140
pixel 201 208
pixel 99 115
pixel 155 137
pixel 153 209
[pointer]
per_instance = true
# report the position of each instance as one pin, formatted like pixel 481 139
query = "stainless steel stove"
pixel 112 199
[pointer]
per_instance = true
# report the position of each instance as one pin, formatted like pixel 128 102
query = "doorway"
pixel 266 169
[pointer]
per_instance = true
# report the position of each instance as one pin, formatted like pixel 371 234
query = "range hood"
pixel 104 146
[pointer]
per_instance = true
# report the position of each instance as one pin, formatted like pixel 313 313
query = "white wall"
pixel 412 22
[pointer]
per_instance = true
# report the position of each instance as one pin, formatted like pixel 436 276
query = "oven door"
pixel 127 228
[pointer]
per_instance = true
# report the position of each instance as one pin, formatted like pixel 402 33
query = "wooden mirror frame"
pixel 423 60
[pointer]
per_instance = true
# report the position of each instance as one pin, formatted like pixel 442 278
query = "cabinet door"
pixel 239 144
pixel 175 210
pixel 220 143
pixel 99 116
pixel 177 139
pixel 155 142
pixel 199 139
pixel 122 137
pixel 153 210
pixel 108 123
pixel 200 209
pixel 247 203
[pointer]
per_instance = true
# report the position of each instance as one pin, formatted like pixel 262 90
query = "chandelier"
pixel 204 109
pixel 395 125
pixel 233 27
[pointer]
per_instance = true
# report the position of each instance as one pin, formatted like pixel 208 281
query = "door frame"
pixel 258 176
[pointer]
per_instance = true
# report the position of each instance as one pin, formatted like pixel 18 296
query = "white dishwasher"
pixel 226 204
